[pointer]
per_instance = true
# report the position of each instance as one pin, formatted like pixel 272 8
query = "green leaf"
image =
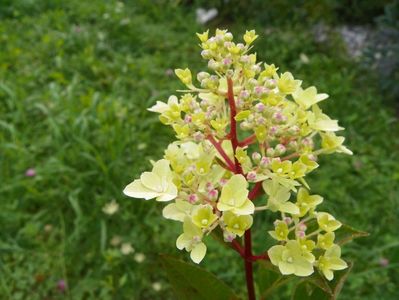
pixel 194 283
pixel 269 279
pixel 316 287
pixel 345 234
pixel 339 280
pixel 242 115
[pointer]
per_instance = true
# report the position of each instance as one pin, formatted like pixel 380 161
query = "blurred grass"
pixel 76 78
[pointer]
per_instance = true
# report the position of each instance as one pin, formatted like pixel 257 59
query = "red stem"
pixel 256 190
pixel 219 148
pixel 249 272
pixel 237 246
pixel 247 141
pixel 238 170
pixel 233 123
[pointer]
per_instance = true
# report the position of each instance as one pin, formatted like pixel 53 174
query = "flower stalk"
pixel 207 172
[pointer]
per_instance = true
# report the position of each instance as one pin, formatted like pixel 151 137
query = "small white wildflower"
pixel 204 16
pixel 157 286
pixel 141 146
pixel 116 240
pixel 127 249
pixel 111 208
pixel 139 257
pixel 304 58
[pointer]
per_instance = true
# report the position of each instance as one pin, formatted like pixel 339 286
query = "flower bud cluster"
pixel 211 176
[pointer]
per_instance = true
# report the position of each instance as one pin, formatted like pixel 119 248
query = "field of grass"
pixel 76 78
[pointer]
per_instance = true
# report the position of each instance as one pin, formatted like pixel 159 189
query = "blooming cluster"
pixel 244 129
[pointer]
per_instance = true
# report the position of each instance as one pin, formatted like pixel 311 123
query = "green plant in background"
pixel 76 78
pixel 247 130
pixel 383 52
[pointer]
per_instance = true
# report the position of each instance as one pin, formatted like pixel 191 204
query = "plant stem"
pixel 256 190
pixel 238 170
pixel 249 273
pixel 219 148
pixel 233 123
pixel 247 141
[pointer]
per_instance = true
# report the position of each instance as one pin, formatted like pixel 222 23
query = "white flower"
pixel 111 208
pixel 115 241
pixel 157 286
pixel 127 249
pixel 204 16
pixel 139 257
pixel 155 184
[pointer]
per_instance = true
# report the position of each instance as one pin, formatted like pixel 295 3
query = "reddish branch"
pixel 219 148
pixel 233 123
pixel 247 236
pixel 237 246
pixel 292 155
pixel 247 141
pixel 256 190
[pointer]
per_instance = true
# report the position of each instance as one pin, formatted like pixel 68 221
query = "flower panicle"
pixel 208 174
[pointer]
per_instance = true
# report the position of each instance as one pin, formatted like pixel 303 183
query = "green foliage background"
pixel 76 78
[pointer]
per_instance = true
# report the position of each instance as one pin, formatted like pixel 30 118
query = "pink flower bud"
pixel 288 220
pixel 259 91
pixel 280 149
pixel 227 61
pixel 30 172
pixel 300 234
pixel 223 181
pixel 187 119
pixel 256 157
pixel 239 102
pixel 244 94
pixel 302 226
pixel 260 121
pixel 213 194
pixel 198 136
pixel 228 237
pixel 251 176
pixel 273 130
pixel 279 117
pixel 260 107
pixel 384 262
pixel 61 285
pixel 192 198
pixel 264 162
pixel 209 186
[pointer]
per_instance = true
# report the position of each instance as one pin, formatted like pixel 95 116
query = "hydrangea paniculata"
pixel 242 130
